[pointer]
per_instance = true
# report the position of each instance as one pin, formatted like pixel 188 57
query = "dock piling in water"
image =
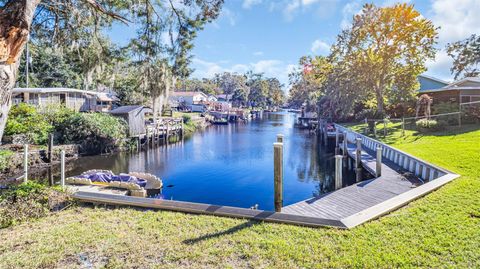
pixel 280 138
pixel 378 168
pixel 358 155
pixel 338 171
pixel 278 175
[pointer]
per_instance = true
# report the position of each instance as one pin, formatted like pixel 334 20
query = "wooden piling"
pixel 25 163
pixel 378 168
pixel 337 142
pixel 338 171
pixel 345 144
pixel 325 135
pixel 358 154
pixel 278 175
pixel 280 138
pixel 358 175
pixel 403 126
pixel 50 147
pixel 62 168
pixel 375 129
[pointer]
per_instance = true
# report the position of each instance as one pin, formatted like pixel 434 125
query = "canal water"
pixel 233 164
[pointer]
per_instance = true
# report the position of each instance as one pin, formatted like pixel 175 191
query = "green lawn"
pixel 441 230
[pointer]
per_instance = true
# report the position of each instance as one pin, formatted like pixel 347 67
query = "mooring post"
pixel 403 126
pixel 358 154
pixel 378 167
pixel 366 126
pixel 25 163
pixel 278 175
pixel 50 147
pixel 338 171
pixel 280 138
pixel 345 144
pixel 358 175
pixel 325 135
pixel 337 141
pixel 384 127
pixel 62 168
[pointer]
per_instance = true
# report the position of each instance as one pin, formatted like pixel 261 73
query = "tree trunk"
pixel 15 20
pixel 379 97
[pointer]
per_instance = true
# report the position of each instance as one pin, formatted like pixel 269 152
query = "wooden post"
pixel 50 147
pixel 460 115
pixel 278 175
pixel 338 171
pixel 358 154
pixel 62 168
pixel 375 129
pixel 345 144
pixel 25 163
pixel 403 126
pixel 358 175
pixel 280 138
pixel 384 128
pixel 378 167
pixel 138 143
pixel 337 141
pixel 147 138
pixel 325 135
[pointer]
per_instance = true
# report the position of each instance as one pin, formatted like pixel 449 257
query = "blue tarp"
pixel 107 177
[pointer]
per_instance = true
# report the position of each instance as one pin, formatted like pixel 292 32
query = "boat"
pixel 137 183
pixel 220 121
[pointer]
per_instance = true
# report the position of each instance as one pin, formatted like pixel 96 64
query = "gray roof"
pixel 125 109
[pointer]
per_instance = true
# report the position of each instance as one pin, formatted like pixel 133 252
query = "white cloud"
pixel 249 3
pixel 230 16
pixel 258 53
pixel 348 11
pixel 291 8
pixel 320 47
pixel 457 20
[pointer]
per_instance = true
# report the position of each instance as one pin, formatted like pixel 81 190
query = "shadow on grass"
pixel 232 230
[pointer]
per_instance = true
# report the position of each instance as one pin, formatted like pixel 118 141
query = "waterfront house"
pixel 428 83
pixel 187 99
pixel 134 116
pixel 462 91
pixel 77 100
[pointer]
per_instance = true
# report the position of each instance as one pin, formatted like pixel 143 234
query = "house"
pixel 134 116
pixel 188 98
pixel 212 98
pixel 78 100
pixel 429 83
pixel 462 91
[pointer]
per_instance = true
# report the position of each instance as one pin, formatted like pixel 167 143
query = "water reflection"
pixel 232 164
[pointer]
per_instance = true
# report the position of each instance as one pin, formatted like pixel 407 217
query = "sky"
pixel 270 36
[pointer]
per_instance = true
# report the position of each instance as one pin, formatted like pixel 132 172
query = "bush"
pixel 186 118
pixel 24 119
pixel 5 156
pixel 29 201
pixel 446 107
pixel 425 125
pixel 94 132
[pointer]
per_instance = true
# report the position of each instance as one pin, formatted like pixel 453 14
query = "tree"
pixel 384 51
pixel 76 21
pixel 466 56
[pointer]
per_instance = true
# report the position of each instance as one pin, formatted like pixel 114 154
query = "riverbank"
pixel 439 230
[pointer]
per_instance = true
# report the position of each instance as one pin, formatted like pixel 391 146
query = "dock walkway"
pixel 360 196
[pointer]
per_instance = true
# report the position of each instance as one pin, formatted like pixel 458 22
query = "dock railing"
pixel 419 168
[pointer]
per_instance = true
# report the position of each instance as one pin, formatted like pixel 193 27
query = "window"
pixel 465 99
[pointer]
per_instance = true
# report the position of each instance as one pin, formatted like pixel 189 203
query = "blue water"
pixel 232 164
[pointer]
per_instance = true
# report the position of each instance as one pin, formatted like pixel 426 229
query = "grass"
pixel 440 230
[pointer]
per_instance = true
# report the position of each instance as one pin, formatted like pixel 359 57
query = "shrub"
pixel 186 118
pixel 425 125
pixel 25 119
pixel 29 201
pixel 446 107
pixel 95 132
pixel 5 156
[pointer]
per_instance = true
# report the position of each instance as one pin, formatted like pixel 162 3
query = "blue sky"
pixel 270 36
